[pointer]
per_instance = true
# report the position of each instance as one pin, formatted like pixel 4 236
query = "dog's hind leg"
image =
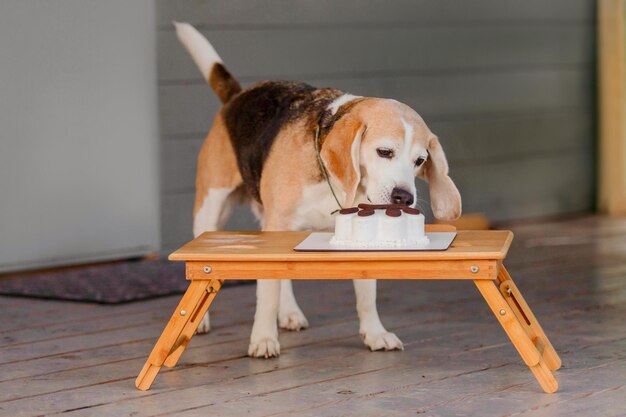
pixel 214 211
pixel 290 316
pixel 218 183
pixel 372 331
pixel 212 215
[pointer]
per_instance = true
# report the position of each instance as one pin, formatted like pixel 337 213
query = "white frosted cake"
pixel 379 226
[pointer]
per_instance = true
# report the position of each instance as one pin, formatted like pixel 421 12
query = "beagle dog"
pixel 261 151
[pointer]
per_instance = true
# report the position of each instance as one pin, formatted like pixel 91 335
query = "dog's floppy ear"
pixel 340 154
pixel 445 198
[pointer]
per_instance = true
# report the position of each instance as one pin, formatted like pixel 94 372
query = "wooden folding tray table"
pixel 477 255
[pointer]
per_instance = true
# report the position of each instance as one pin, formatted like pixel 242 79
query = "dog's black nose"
pixel 400 196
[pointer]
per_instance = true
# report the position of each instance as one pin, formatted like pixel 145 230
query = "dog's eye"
pixel 419 161
pixel 385 153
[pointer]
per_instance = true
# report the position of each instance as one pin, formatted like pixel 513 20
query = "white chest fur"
pixel 316 204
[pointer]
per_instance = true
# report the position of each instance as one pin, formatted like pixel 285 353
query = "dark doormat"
pixel 110 283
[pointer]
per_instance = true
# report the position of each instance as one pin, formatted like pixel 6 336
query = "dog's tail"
pixel 208 61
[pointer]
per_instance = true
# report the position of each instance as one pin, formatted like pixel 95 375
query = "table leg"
pixel 193 323
pixel 176 334
pixel 527 319
pixel 519 337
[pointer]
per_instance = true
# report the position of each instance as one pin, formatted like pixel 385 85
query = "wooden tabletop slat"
pixel 278 246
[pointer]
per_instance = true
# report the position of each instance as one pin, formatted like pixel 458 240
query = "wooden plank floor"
pixel 81 360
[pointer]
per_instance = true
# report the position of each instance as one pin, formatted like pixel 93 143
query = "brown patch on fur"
pixel 223 83
pixel 444 196
pixel 384 119
pixel 255 117
pixel 336 153
pixel 217 164
pixel 327 120
pixel 290 167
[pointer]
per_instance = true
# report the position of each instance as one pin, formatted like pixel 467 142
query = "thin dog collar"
pixel 323 168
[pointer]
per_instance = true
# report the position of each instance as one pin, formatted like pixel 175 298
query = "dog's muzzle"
pixel 400 196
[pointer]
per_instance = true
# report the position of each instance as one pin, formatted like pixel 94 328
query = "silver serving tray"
pixel 320 242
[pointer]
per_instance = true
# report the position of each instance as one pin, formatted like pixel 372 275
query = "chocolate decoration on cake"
pixel 365 212
pixel 380 206
pixel 349 210
pixel 393 210
pixel 410 210
pixel 372 206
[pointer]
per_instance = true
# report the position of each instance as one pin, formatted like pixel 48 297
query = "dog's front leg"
pixel 264 337
pixel 290 316
pixel 372 331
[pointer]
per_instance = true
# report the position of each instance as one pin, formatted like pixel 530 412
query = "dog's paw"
pixel 293 320
pixel 205 325
pixel 267 347
pixel 382 341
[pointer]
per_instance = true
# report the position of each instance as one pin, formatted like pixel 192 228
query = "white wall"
pixel 78 131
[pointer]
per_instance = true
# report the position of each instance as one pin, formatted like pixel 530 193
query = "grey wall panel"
pixel 507 85
pixel 527 187
pixel 480 140
pixel 465 142
pixel 332 12
pixel 269 53
pixel 179 162
pixel 177 211
pixel 190 108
